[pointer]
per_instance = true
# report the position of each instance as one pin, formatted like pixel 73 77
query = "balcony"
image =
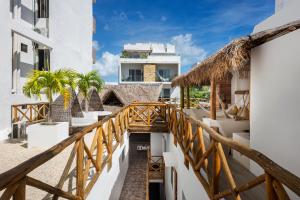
pixel 33 15
pixel 205 159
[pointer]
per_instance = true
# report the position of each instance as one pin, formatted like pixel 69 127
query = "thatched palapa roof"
pixel 128 93
pixel 233 57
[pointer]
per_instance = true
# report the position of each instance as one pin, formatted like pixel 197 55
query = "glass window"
pixel 135 75
pixel 164 74
pixel 166 93
pixel 43 9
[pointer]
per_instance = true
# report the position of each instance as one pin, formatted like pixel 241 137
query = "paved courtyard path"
pixel 134 187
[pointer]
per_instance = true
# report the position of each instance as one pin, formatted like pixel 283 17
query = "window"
pixel 43 9
pixel 135 75
pixel 165 73
pixel 24 48
pixel 166 93
pixel 43 59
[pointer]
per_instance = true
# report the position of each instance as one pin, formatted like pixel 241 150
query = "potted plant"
pixel 88 82
pixel 49 83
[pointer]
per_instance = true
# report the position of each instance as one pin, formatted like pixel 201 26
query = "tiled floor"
pixel 134 187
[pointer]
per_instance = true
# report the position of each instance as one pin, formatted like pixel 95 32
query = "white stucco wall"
pixel 187 180
pixel 156 141
pixel 71 28
pixel 275 97
pixel 70 40
pixel 103 188
pixel 5 67
pixel 238 84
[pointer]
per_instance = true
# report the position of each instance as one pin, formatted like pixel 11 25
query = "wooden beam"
pixel 79 169
pixel 213 98
pixel 181 97
pixel 20 193
pixel 270 192
pixel 48 188
pixel 188 97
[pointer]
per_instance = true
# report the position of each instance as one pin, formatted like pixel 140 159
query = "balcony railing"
pixel 187 133
pixel 156 167
pixel 30 113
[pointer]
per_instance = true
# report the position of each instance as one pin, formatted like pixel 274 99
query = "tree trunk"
pixel 86 105
pixel 49 118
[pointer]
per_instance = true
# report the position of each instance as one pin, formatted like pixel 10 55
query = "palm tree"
pixel 88 82
pixel 50 83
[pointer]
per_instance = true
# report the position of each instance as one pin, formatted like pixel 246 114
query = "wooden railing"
pixel 30 112
pixel 148 117
pixel 206 162
pixel 107 135
pixel 194 102
pixel 156 167
pixel 188 134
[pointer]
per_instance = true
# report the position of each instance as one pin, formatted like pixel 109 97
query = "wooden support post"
pixel 79 169
pixel 181 97
pixel 213 98
pixel 188 97
pixel 271 195
pixel 216 172
pixel 20 193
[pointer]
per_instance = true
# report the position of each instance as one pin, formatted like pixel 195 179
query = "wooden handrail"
pixel 29 112
pixel 190 140
pixel 279 174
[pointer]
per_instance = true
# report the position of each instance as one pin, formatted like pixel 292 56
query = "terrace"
pixel 72 168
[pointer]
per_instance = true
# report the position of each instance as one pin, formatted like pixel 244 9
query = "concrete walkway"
pixel 134 187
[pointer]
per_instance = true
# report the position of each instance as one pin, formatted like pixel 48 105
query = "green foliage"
pixel 88 82
pixel 125 54
pixel 50 83
pixel 200 92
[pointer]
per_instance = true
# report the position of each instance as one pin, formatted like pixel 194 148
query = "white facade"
pixel 275 97
pixel 66 33
pixel 163 56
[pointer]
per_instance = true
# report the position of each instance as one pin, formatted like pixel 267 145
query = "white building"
pixel 150 63
pixel 44 35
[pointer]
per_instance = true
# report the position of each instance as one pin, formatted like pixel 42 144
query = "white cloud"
pixel 163 18
pixel 108 64
pixel 190 53
pixel 96 45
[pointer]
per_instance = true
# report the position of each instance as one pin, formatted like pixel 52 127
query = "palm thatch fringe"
pixel 233 57
pixel 95 102
pixel 128 93
pixel 60 114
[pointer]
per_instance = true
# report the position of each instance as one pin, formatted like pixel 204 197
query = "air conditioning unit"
pixel 18 130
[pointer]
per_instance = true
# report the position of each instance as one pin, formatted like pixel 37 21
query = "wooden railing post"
pixel 216 171
pixel 15 111
pixel 181 97
pixel 213 97
pixel 79 169
pixel 270 192
pixel 20 193
pixel 188 97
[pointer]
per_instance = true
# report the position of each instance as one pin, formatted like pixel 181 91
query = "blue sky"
pixel 198 28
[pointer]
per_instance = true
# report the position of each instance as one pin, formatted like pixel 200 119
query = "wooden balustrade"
pixel 107 135
pixel 148 117
pixel 197 155
pixel 156 167
pixel 194 102
pixel 30 113
pixel 188 134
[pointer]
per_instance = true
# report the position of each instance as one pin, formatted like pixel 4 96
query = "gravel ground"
pixel 14 152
